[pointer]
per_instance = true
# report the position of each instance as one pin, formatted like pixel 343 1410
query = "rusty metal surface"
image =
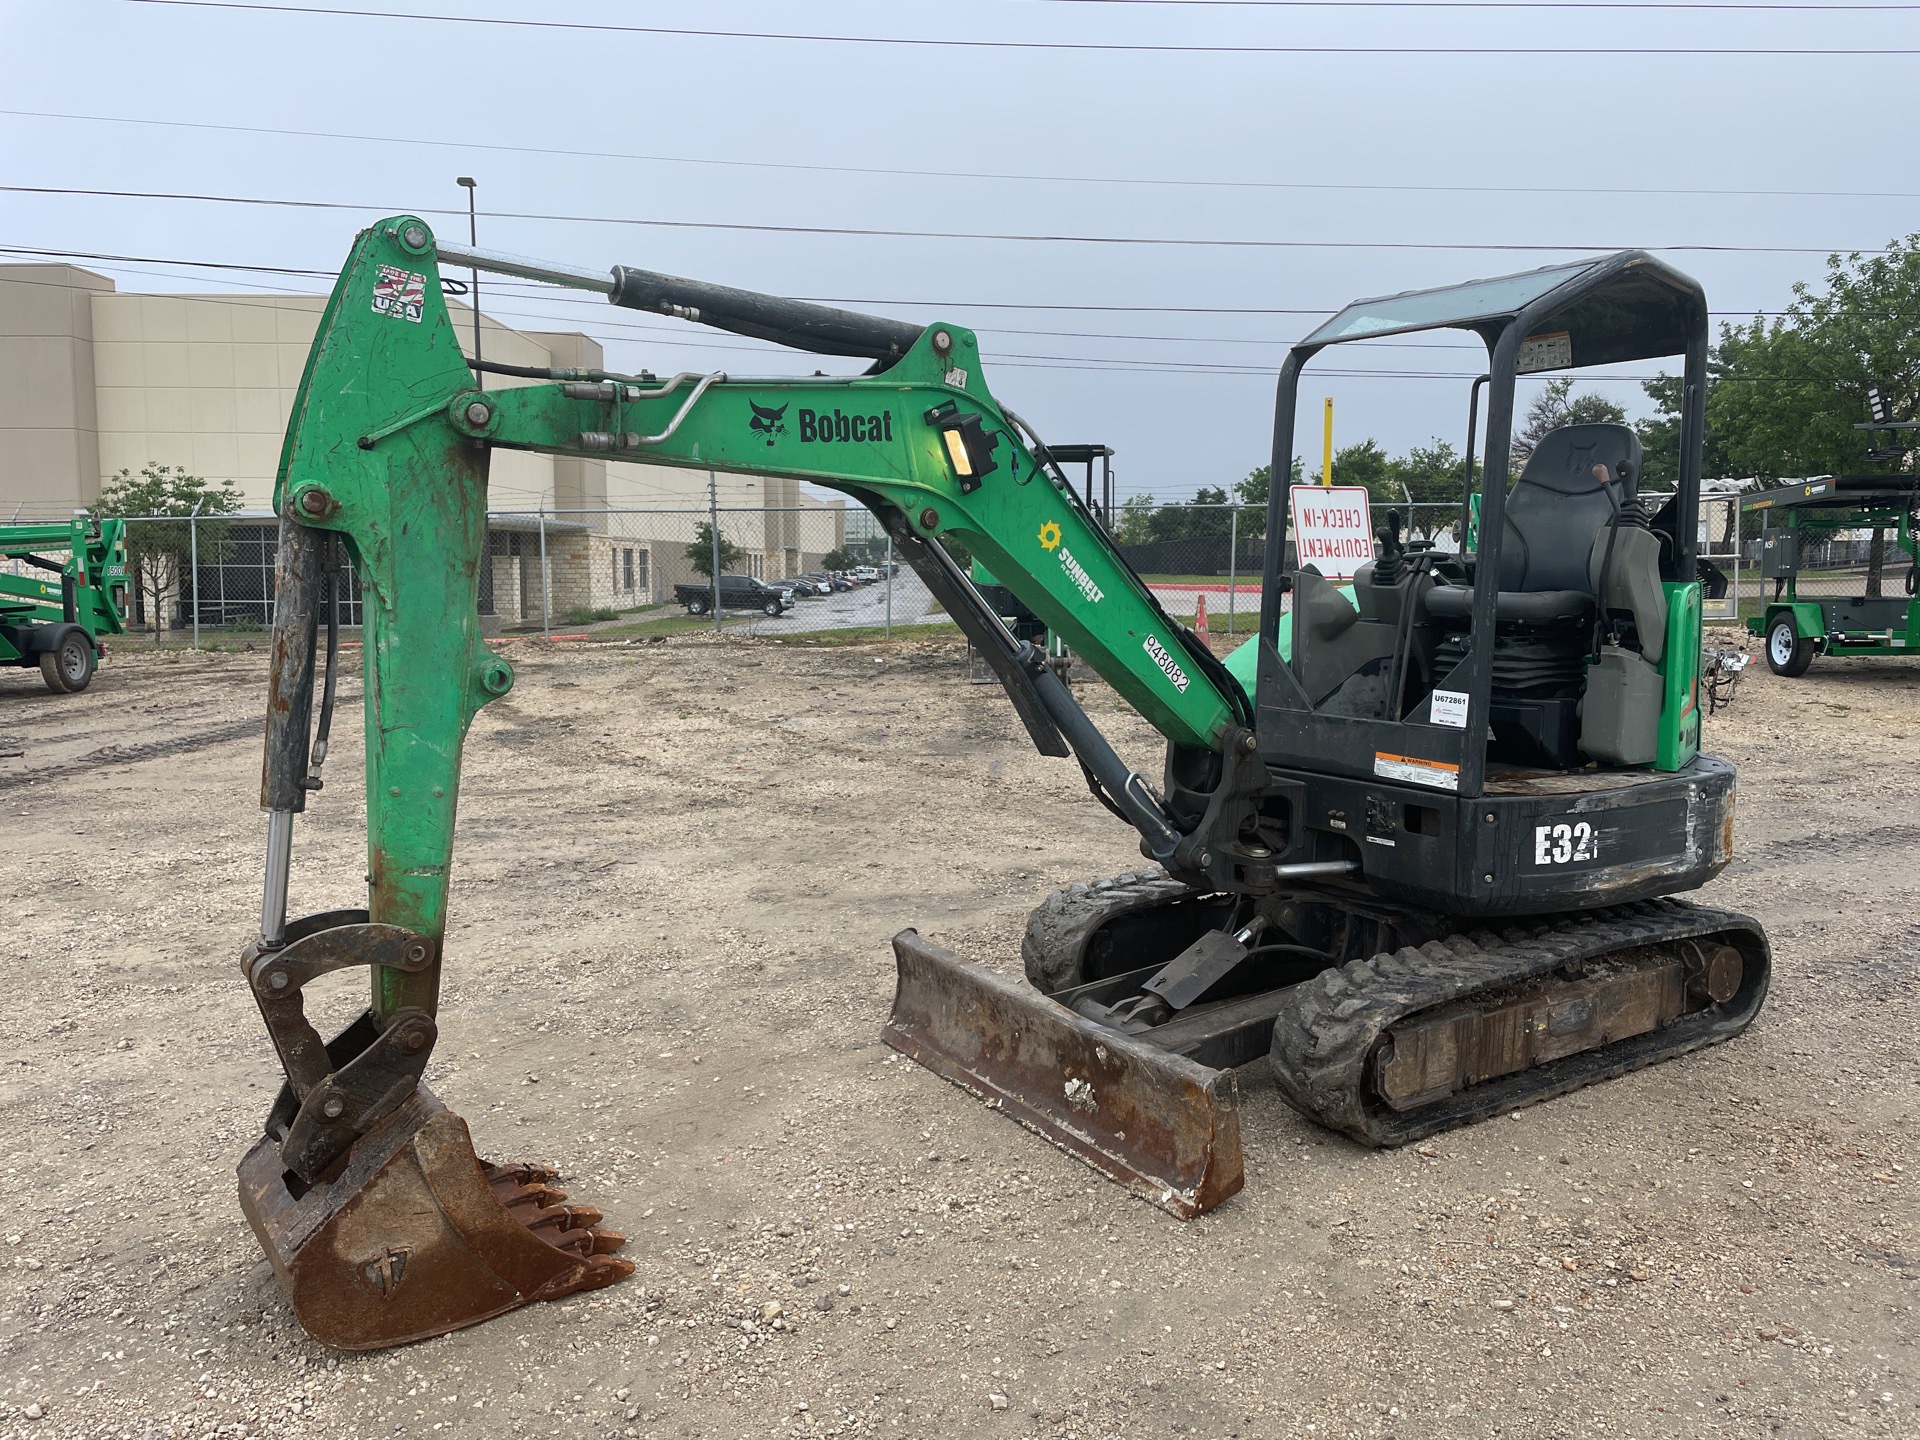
pixel 1160 1124
pixel 1477 1040
pixel 415 1235
pixel 1329 1035
pixel 277 977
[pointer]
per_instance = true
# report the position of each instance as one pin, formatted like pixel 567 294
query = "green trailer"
pixel 62 587
pixel 1797 627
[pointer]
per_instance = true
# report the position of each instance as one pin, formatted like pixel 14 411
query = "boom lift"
pixel 56 623
pixel 1421 860
pixel 1797 627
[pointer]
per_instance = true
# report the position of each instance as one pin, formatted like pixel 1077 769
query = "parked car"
pixel 864 574
pixel 737 592
pixel 808 586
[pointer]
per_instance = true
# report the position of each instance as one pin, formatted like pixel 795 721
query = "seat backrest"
pixel 1560 507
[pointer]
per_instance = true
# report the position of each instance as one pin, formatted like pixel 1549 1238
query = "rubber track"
pixel 1326 1033
pixel 1061 925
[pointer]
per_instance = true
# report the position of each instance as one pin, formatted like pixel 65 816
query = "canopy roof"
pixel 1611 308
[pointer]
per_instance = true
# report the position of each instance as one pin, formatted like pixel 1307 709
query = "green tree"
pixel 837 560
pixel 1864 331
pixel 1365 463
pixel 1787 393
pixel 1432 475
pixel 700 552
pixel 1660 438
pixel 1253 491
pixel 1553 407
pixel 1203 517
pixel 1131 526
pixel 1774 410
pixel 161 549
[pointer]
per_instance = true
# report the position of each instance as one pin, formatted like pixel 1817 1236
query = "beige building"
pixel 93 382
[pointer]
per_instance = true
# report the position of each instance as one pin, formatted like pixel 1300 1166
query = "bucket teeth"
pixel 516 1197
pixel 559 1218
pixel 518 1174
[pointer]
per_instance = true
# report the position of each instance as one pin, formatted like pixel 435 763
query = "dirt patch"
pixel 679 866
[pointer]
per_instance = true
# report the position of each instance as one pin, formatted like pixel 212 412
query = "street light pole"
pixel 467 183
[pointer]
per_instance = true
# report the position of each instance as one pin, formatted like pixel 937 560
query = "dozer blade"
pixel 416 1235
pixel 1163 1126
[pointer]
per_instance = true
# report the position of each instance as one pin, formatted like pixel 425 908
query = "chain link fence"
pixel 633 571
pixel 203 579
pixel 621 571
pixel 1212 557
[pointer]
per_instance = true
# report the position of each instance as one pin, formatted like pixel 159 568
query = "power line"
pixel 870 233
pixel 652 335
pixel 998 177
pixel 1079 46
pixel 548 295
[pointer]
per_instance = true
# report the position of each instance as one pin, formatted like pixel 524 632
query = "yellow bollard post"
pixel 1326 447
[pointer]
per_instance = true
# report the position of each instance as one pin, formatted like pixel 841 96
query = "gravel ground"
pixel 679 865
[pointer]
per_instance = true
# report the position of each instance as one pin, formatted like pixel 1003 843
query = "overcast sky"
pixel 1377 171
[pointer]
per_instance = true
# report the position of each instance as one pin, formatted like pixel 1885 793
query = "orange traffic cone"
pixel 1200 619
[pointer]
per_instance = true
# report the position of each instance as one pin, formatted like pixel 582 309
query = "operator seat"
pixel 1562 517
pixel 1558 515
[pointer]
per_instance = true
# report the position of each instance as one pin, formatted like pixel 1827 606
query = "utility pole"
pixel 713 533
pixel 467 183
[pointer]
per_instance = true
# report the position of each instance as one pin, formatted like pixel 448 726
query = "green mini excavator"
pixel 1417 843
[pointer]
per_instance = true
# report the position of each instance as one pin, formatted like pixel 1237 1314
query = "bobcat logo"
pixel 767 421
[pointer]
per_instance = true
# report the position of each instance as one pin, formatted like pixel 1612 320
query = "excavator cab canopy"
pixel 1625 306
pixel 1354 699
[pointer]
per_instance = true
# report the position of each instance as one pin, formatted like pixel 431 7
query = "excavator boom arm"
pixel 385 465
pixel 388 448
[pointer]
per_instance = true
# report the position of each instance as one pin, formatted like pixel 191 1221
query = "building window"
pixel 643 579
pixel 627 558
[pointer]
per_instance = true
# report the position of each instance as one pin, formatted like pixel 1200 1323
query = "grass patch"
pixel 676 623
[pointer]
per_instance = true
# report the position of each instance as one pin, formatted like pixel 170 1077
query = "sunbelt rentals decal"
pixel 1050 537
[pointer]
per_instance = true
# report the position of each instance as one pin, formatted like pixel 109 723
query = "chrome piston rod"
pixel 273 893
pixel 498 262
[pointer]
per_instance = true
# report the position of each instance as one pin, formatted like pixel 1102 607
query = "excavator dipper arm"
pixel 381 1222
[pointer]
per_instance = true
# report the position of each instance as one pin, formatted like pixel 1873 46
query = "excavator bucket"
pixel 1162 1125
pixel 415 1235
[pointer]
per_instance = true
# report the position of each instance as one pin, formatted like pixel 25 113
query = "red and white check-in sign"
pixel 1332 529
